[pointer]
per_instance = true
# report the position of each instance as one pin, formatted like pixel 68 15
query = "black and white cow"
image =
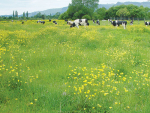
pixel 131 23
pixel 117 23
pixel 97 22
pixel 147 23
pixel 49 20
pixel 93 21
pixel 38 21
pixel 80 22
pixel 66 20
pixel 69 22
pixel 43 22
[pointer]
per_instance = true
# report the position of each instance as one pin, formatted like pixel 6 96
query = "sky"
pixel 8 6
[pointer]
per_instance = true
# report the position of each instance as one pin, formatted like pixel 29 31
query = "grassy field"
pixel 51 68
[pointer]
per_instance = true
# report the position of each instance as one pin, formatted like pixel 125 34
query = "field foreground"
pixel 47 68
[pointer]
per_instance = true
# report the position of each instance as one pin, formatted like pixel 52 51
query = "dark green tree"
pixel 27 14
pixel 13 14
pixel 24 15
pixel 79 8
pixel 100 13
pixel 133 10
pixel 56 15
pixel 16 14
pixel 122 12
pixel 63 16
pixel 38 15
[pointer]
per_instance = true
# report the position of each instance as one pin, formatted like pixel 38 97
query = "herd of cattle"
pixel 84 22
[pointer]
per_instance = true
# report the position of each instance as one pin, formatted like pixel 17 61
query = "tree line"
pixel 26 16
pixel 122 11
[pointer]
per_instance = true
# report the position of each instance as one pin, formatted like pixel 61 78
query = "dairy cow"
pixel 97 22
pixel 43 22
pixel 39 21
pixel 147 23
pixel 54 22
pixel 93 21
pixel 118 23
pixel 69 22
pixel 80 22
pixel 131 23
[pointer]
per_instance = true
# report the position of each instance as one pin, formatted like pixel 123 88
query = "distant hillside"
pixel 64 9
pixel 50 11
pixel 144 4
pixel 107 6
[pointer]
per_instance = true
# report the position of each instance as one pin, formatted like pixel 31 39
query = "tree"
pixel 13 14
pixel 79 8
pixel 16 14
pixel 101 13
pixel 92 4
pixel 122 12
pixel 23 15
pixel 10 17
pixel 133 10
pixel 27 14
pixel 57 15
pixel 43 17
pixel 111 12
pixel 87 17
pixel 63 16
pixel 38 15
pixel 74 7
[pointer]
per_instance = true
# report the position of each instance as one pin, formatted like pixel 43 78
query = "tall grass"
pixel 52 68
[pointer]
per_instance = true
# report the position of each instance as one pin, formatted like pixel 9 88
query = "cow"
pixel 22 22
pixel 43 22
pixel 49 20
pixel 147 23
pixel 97 22
pixel 66 20
pixel 131 23
pixel 69 22
pixel 38 21
pixel 80 22
pixel 93 21
pixel 117 23
pixel 54 22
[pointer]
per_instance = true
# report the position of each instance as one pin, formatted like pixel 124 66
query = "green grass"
pixel 52 68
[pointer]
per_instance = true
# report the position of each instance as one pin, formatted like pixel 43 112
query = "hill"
pixel 50 11
pixel 107 6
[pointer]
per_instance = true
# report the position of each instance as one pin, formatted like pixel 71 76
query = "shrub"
pixel 87 17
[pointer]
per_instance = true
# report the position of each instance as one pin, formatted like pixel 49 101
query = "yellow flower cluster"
pixel 103 84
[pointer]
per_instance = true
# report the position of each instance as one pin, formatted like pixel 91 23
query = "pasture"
pixel 48 68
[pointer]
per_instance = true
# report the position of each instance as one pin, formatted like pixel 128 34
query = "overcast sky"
pixel 8 6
